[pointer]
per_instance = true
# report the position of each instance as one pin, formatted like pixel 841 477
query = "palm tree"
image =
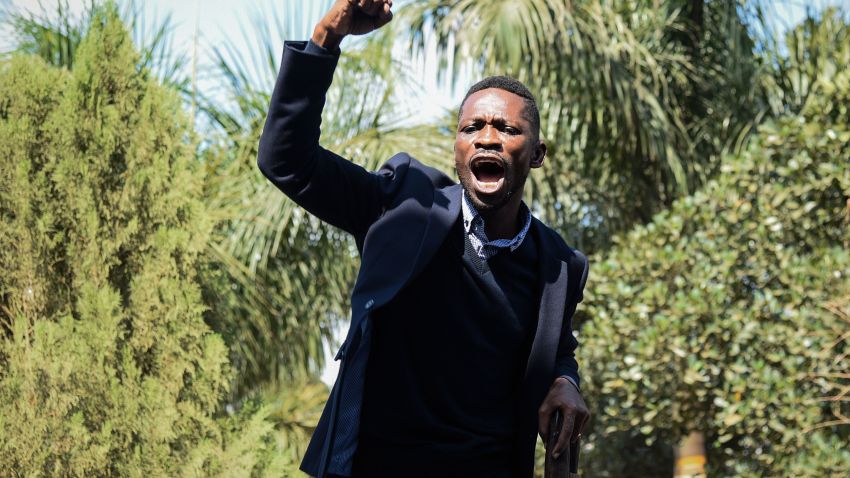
pixel 55 34
pixel 288 275
pixel 637 98
pixel 815 49
pixel 275 280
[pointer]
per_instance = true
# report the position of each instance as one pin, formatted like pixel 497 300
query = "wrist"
pixel 570 380
pixel 325 38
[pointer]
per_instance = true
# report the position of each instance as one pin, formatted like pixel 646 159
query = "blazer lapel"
pixel 541 358
pixel 554 278
pixel 444 212
pixel 397 271
pixel 550 318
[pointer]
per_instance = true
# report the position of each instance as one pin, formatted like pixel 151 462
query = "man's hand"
pixel 351 17
pixel 563 396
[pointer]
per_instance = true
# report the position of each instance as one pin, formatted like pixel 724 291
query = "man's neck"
pixel 503 223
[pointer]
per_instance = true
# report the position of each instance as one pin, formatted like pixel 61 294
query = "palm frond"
pixel 54 33
pixel 616 82
pixel 813 50
pixel 290 273
pixel 51 33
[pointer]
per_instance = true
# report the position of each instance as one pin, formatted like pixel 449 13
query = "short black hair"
pixel 511 85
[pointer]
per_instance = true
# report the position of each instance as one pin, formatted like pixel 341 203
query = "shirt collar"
pixel 473 223
pixel 469 213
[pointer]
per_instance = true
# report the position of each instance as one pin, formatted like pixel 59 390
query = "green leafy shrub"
pixel 106 365
pixel 712 317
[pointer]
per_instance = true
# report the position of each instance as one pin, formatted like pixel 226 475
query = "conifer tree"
pixel 106 365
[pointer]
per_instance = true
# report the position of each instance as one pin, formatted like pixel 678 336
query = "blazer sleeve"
pixel 328 186
pixel 565 361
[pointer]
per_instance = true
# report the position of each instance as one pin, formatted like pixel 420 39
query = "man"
pixel 460 347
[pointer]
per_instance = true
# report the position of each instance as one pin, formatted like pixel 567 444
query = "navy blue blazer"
pixel 398 215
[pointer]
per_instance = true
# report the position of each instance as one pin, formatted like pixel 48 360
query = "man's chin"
pixel 486 196
pixel 485 201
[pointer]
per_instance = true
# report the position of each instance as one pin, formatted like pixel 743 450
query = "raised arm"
pixel 328 186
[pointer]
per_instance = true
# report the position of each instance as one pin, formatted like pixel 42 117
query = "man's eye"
pixel 468 129
pixel 511 130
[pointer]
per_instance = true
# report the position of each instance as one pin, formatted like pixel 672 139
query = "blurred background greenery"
pixel 164 310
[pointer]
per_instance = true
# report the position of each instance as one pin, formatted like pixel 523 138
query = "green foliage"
pixel 836 381
pixel 637 98
pixel 273 427
pixel 714 316
pixel 121 253
pixel 816 48
pixel 277 280
pixel 55 35
pixel 295 410
pixel 106 365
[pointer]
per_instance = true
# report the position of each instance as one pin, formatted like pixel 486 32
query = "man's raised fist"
pixel 351 17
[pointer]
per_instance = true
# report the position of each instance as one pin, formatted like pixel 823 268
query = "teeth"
pixel 489 186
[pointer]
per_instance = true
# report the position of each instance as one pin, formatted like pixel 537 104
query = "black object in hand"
pixel 566 465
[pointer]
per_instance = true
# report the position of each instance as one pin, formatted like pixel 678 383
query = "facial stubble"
pixel 512 186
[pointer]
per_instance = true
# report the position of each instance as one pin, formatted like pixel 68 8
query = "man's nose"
pixel 488 138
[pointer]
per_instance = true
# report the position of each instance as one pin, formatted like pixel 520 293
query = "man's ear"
pixel 539 155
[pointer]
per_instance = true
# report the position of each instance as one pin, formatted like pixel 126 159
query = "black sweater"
pixel 447 359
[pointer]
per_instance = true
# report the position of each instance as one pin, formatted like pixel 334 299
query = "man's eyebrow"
pixel 496 118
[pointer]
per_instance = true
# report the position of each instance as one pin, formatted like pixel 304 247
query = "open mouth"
pixel 489 172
